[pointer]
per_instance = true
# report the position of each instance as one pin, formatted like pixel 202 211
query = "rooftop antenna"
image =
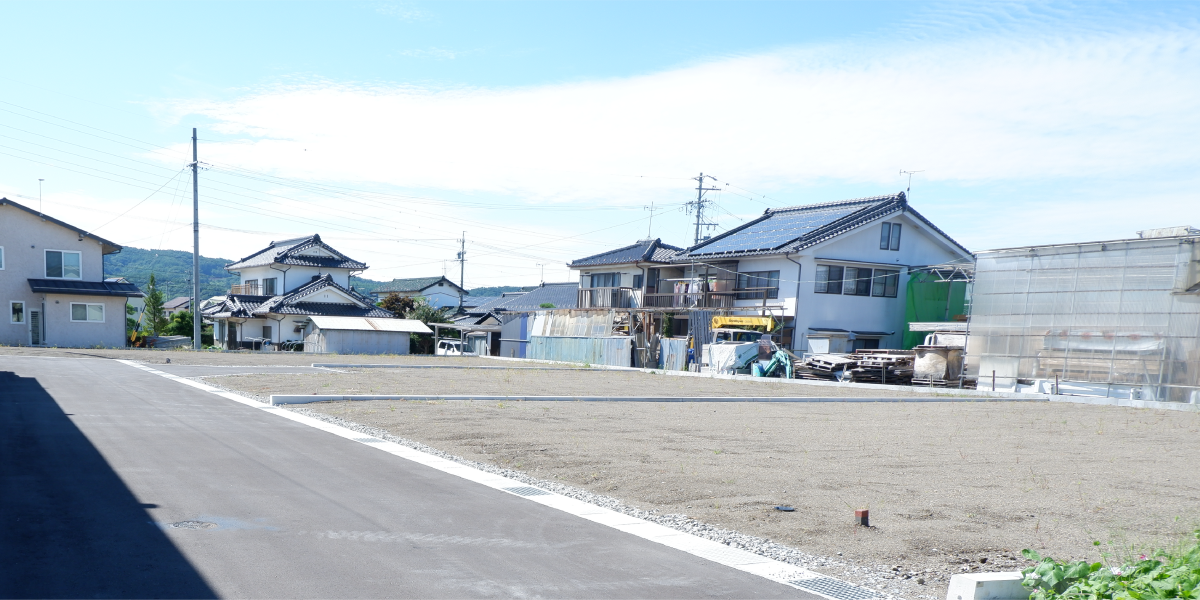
pixel 543 266
pixel 651 223
pixel 908 191
pixel 40 196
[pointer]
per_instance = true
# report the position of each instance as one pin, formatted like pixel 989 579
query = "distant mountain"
pixel 173 272
pixel 495 290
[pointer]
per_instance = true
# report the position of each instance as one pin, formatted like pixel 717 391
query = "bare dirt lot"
pixel 948 485
pixel 519 382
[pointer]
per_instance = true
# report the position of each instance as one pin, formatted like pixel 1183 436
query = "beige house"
pixel 52 285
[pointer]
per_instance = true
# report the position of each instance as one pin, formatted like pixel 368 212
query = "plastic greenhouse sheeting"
pixel 1109 319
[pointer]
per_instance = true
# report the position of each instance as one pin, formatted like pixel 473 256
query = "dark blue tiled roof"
pixel 288 252
pixel 643 251
pixel 785 230
pixel 328 309
pixel 414 284
pixel 84 288
pixel 561 295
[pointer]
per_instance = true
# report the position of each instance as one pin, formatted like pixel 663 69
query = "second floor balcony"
pixel 612 297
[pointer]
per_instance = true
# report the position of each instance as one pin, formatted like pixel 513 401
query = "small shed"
pixel 360 335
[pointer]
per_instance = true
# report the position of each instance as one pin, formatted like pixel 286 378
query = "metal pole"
pixel 462 270
pixel 197 321
pixel 699 207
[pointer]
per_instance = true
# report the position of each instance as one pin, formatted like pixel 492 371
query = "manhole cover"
pixel 192 525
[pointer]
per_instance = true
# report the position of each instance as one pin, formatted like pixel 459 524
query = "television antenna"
pixel 910 174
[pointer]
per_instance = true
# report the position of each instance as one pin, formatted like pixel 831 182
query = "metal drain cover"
pixel 527 491
pixel 833 588
pixel 192 525
pixel 368 440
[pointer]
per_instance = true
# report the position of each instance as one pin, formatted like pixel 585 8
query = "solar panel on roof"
pixel 777 230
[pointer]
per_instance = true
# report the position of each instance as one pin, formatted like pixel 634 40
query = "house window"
pixel 857 282
pixel 829 279
pixel 267 332
pixel 269 286
pixel 758 279
pixel 886 283
pixel 61 264
pixel 17 310
pixel 81 312
pixel 637 281
pixel 250 287
pixel 1 258
pixel 652 279
pixel 606 280
pixel 889 236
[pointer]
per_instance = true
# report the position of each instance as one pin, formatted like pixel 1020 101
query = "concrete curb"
pixel 300 399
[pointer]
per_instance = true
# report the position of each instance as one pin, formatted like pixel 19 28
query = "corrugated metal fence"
pixel 611 351
pixel 672 355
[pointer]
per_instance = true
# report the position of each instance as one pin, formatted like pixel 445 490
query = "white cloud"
pixel 1101 105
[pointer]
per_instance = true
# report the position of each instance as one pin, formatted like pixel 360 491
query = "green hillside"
pixel 173 272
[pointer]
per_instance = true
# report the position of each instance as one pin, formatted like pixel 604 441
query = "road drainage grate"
pixel 834 589
pixel 192 525
pixel 527 491
pixel 368 440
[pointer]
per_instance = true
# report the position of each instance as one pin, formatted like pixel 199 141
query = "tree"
pixel 398 305
pixel 180 324
pixel 426 313
pixel 154 318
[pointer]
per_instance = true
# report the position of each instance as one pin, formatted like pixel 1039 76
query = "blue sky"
pixel 544 129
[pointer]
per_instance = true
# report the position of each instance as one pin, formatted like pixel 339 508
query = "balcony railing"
pixel 609 297
pixel 249 289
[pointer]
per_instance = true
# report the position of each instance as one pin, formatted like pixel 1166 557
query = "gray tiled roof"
pixel 287 252
pixel 292 303
pixel 178 302
pixel 413 284
pixel 84 288
pixel 488 305
pixel 785 230
pixel 643 251
pixel 561 295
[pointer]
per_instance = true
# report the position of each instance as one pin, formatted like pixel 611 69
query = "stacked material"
pixel 826 366
pixel 883 366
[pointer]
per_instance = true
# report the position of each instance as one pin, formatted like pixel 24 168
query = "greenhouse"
pixel 1117 319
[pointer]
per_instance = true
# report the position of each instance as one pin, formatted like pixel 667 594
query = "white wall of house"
pixel 25 238
pixel 292 278
pixel 919 246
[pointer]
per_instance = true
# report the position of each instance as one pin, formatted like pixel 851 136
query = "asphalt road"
pixel 98 458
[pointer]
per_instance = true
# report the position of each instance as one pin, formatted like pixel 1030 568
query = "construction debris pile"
pixel 863 366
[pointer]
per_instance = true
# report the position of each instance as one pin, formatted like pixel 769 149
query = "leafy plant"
pixel 1158 576
pixel 546 305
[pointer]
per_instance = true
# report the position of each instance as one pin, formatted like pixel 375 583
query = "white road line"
pixel 742 560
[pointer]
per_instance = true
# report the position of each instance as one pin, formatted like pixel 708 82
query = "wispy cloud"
pixel 403 11
pixel 974 110
pixel 432 52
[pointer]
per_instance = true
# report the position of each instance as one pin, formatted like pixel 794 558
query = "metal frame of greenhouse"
pixel 1116 319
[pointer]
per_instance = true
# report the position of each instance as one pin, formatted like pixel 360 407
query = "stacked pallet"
pixel 882 366
pixel 825 366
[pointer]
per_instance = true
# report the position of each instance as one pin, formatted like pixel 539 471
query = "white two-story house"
pixel 281 286
pixel 834 273
pixel 52 285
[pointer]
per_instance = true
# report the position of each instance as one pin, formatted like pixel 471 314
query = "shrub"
pixel 1158 576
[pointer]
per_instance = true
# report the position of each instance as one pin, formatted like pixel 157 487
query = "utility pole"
pixel 197 320
pixel 462 269
pixel 699 202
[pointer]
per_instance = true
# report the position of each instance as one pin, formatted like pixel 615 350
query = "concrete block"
pixel 987 586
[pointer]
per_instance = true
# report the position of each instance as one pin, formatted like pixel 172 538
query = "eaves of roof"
pixel 642 251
